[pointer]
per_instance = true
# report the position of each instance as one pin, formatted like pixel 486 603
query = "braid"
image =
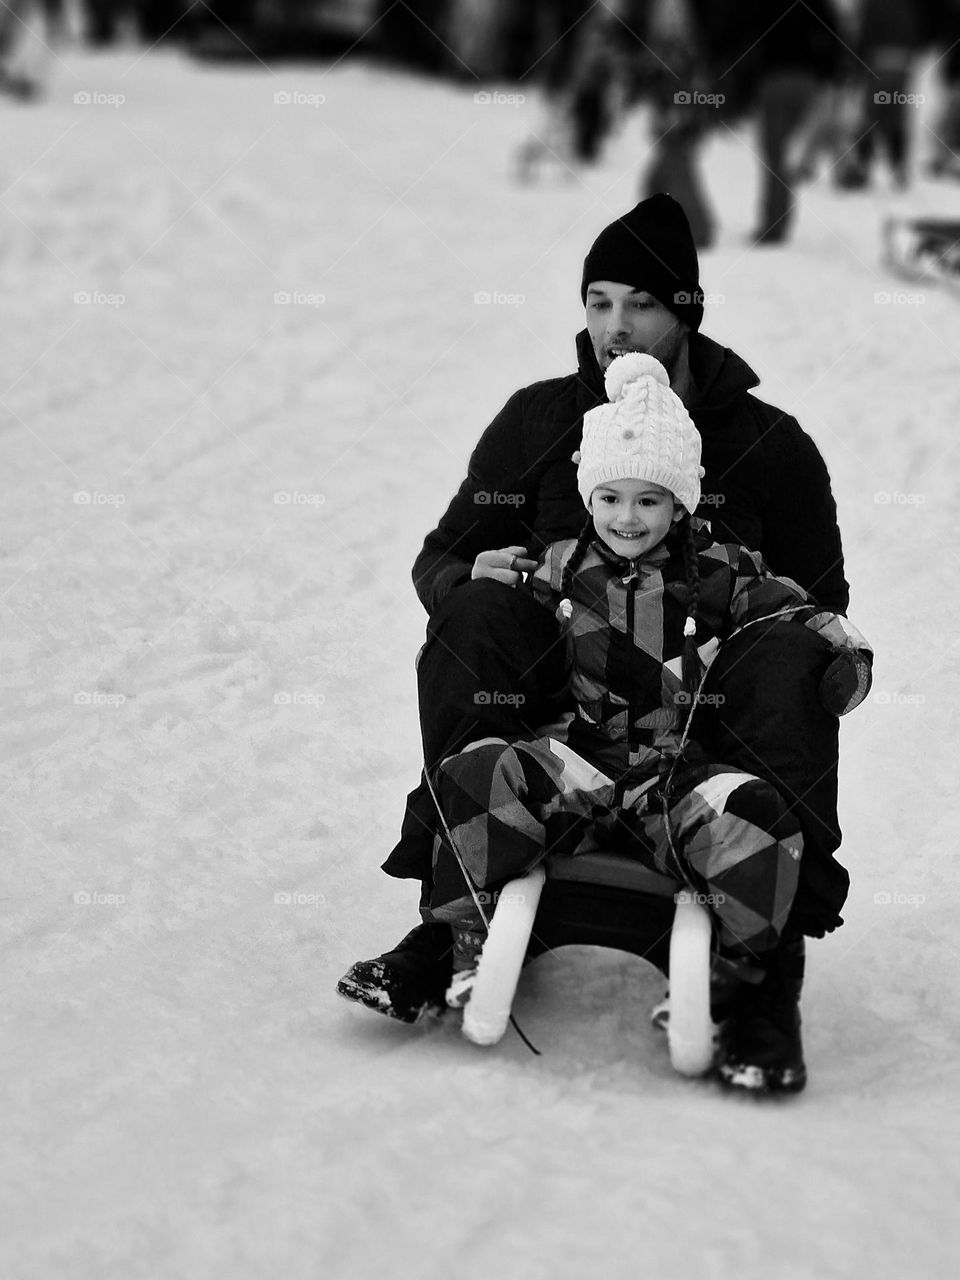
pixel 575 561
pixel 691 665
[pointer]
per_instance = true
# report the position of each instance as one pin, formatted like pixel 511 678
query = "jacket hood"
pixel 719 373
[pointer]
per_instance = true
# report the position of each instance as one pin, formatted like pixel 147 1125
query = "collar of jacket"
pixel 719 373
pixel 628 568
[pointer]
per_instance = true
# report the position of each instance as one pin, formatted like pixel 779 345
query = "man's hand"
pixel 507 565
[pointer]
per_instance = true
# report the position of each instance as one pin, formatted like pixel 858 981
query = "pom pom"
pixel 625 371
pixel 690 627
pixel 575 457
pixel 566 609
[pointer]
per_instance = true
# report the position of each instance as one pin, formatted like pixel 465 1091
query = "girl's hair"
pixel 691 667
pixel 573 564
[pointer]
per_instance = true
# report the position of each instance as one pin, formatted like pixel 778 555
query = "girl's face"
pixel 633 516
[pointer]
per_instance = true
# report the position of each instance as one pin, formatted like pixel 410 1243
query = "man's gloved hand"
pixel 846 681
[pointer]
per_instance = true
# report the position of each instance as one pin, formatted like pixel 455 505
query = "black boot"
pixel 760 1049
pixel 409 982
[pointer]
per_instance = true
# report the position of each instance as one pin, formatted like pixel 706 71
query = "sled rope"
pixel 473 893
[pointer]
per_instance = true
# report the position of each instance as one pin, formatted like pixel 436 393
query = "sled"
pixel 601 899
pixel 923 250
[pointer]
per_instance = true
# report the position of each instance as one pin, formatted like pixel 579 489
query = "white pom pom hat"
pixel 645 433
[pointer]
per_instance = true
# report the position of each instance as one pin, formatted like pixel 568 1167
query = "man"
pixel 492 665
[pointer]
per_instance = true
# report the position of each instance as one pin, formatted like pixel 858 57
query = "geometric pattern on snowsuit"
pixel 509 806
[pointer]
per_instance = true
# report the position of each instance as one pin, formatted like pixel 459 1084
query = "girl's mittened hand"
pixel 846 682
pixel 507 565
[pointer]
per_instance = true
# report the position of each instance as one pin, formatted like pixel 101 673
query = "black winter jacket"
pixel 766 485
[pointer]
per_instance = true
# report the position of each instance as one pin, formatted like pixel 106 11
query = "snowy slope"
pixel 208 701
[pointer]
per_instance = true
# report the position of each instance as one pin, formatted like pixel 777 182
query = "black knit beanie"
pixel 652 249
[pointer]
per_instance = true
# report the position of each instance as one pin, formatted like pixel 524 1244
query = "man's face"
pixel 621 318
pixel 633 516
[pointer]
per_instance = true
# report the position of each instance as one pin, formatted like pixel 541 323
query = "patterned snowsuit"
pixel 612 774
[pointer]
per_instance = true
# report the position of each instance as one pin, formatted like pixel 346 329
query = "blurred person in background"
pixel 796 52
pixel 831 129
pixel 891 35
pixel 24 49
pixel 151 20
pixel 946 131
pixel 674 78
pixel 575 65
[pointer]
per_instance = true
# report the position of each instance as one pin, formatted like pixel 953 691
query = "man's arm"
pixel 801 536
pixel 486 512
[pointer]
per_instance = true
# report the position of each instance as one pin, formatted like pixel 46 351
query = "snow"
pixel 209 701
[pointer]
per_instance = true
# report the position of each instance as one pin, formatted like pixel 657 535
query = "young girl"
pixel 646 598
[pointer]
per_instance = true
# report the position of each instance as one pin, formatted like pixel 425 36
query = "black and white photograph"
pixel 480 646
